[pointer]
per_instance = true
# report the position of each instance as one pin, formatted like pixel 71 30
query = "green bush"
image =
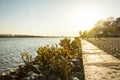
pixel 51 63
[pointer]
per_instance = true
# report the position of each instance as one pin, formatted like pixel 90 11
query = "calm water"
pixel 10 49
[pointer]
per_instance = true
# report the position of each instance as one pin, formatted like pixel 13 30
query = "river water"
pixel 11 48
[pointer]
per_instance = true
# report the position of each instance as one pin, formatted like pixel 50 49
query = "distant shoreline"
pixel 29 36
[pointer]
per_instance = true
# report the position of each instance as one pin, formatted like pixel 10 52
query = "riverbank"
pixel 109 45
pixel 51 63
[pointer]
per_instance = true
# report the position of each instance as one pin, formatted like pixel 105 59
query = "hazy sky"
pixel 53 17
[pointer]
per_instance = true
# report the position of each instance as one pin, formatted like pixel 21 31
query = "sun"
pixel 86 19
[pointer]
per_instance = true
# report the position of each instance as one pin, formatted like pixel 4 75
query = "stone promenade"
pixel 99 65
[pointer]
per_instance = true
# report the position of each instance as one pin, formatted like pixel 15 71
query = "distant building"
pixel 100 32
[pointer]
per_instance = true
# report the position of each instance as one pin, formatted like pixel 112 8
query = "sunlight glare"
pixel 86 19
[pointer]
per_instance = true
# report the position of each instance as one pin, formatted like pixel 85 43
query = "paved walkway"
pixel 99 65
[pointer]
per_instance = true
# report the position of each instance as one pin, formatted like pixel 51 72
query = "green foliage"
pixel 57 60
pixel 110 27
pixel 65 43
pixel 84 34
pixel 51 62
pixel 26 57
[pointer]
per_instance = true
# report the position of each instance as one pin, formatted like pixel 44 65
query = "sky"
pixel 54 17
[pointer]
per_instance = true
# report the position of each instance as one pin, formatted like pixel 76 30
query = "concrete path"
pixel 99 65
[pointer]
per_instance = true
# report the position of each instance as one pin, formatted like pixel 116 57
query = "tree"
pixel 80 33
pixel 110 27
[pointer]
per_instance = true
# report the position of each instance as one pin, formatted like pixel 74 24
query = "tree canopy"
pixel 109 27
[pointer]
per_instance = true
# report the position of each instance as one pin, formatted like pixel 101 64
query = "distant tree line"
pixel 109 27
pixel 25 36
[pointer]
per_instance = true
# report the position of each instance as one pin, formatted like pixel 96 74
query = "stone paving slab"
pixel 100 58
pixel 93 72
pixel 94 51
pixel 98 65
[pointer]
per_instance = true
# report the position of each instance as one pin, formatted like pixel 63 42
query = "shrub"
pixel 51 63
